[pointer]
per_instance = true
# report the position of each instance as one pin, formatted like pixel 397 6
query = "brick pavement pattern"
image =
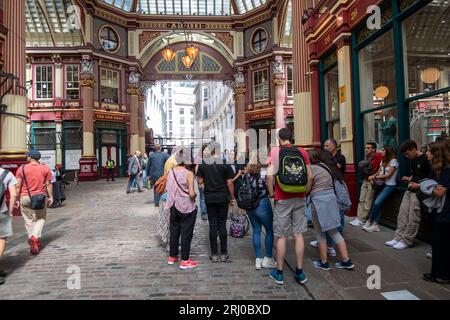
pixel 110 237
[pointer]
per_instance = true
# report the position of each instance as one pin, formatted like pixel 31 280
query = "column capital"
pixel 278 82
pixel 278 67
pixel 87 67
pixel 90 83
pixel 134 77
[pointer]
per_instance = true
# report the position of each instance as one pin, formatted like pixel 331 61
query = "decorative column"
pixel 14 103
pixel 59 89
pixel 304 121
pixel 280 98
pixel 239 98
pixel 88 161
pixel 141 121
pixel 133 91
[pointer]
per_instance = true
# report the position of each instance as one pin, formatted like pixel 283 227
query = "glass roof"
pixel 188 7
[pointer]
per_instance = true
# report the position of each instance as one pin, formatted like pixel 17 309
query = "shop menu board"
pixel 48 157
pixel 72 159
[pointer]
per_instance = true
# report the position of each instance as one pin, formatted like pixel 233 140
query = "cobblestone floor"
pixel 110 236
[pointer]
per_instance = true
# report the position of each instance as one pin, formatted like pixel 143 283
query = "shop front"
pixel 111 143
pixel 387 83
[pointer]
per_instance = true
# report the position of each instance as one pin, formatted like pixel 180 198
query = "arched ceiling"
pixel 187 7
pixel 48 24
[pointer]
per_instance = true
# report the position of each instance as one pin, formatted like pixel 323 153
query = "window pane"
pixel 332 94
pixel 377 72
pixel 427 48
pixel 429 118
pixel 334 130
pixel 381 127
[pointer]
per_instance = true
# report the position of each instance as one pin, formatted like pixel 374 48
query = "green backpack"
pixel 292 176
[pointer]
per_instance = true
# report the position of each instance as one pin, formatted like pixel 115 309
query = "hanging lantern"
pixel 192 51
pixel 382 92
pixel 187 61
pixel 168 54
pixel 430 75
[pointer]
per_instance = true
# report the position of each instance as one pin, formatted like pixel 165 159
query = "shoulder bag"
pixel 340 190
pixel 38 200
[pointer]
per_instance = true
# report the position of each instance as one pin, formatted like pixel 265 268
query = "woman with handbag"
pixel 261 215
pixel 183 213
pixel 384 182
pixel 325 210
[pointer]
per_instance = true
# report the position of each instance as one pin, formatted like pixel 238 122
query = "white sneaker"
pixel 373 228
pixel 331 252
pixel 367 225
pixel 356 223
pixel 391 243
pixel 429 256
pixel 313 244
pixel 400 246
pixel 258 263
pixel 269 263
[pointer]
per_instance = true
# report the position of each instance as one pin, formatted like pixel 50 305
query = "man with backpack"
pixel 290 172
pixel 7 183
pixel 368 168
pixel 36 192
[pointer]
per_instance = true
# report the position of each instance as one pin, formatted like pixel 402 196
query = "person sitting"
pixel 387 176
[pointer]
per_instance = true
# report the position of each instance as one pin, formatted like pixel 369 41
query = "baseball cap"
pixel 34 154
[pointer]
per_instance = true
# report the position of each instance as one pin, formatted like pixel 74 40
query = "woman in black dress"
pixel 439 157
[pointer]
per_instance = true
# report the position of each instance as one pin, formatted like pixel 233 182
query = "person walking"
pixel 368 167
pixel 217 179
pixel 201 188
pixel 183 213
pixel 144 162
pixel 325 210
pixel 36 193
pixel 387 175
pixel 155 169
pixel 289 212
pixel 261 216
pixel 110 166
pixel 439 157
pixel 408 219
pixel 7 183
pixel 134 172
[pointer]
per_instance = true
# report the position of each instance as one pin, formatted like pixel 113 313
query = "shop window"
pixel 377 73
pixel 109 39
pixel 331 85
pixel 44 82
pixel 290 81
pixel 72 82
pixel 426 46
pixel 381 127
pixel 259 41
pixel 44 136
pixel 260 85
pixel 429 118
pixel 110 86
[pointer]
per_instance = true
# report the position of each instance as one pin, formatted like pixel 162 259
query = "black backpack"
pixel 292 174
pixel 248 195
pixel 2 185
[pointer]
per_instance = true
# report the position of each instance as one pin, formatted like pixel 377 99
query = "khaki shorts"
pixel 6 229
pixel 289 217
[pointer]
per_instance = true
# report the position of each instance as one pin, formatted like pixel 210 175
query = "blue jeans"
pixel 262 216
pixel 375 212
pixel 201 191
pixel 133 180
pixel 308 212
pixel 330 242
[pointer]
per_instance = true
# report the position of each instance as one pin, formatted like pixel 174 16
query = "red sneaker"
pixel 172 260
pixel 188 264
pixel 34 245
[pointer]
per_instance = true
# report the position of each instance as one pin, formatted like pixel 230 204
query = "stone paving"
pixel 110 237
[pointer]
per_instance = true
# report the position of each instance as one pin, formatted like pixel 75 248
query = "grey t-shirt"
pixel 9 181
pixel 321 179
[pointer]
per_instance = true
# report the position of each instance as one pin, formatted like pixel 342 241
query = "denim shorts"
pixel 6 229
